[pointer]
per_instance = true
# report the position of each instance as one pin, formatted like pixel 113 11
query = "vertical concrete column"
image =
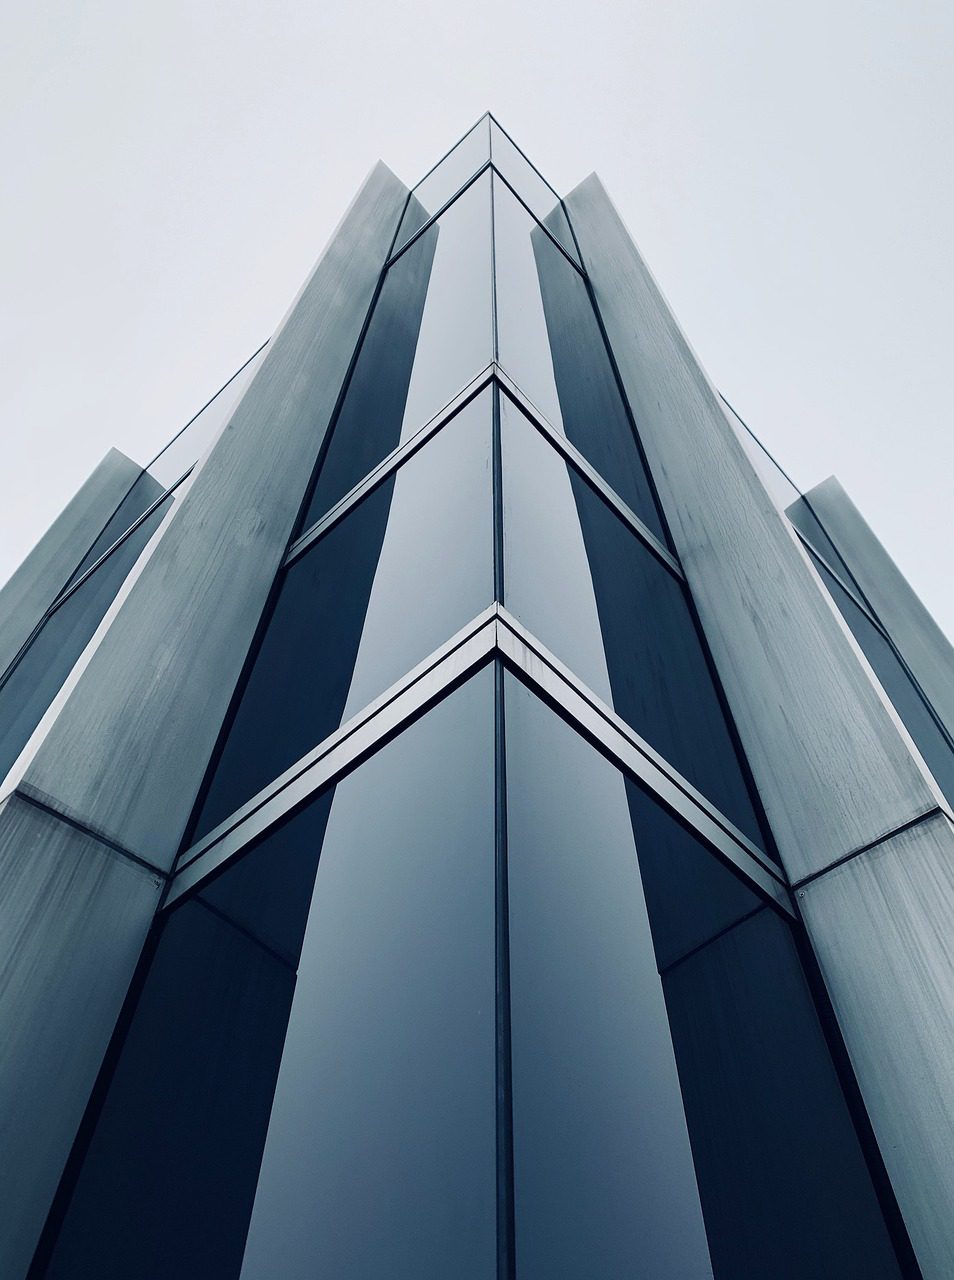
pixel 100 806
pixel 44 573
pixel 921 642
pixel 859 824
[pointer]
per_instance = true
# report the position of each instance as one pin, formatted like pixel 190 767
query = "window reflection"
pixel 372 598
pixel 617 1072
pixel 580 580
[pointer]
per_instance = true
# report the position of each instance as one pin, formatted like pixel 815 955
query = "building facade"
pixel 461 819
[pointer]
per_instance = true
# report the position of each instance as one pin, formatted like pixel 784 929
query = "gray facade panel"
pixel 44 573
pixel 127 754
pixel 922 643
pixel 832 768
pixel 73 916
pixel 881 927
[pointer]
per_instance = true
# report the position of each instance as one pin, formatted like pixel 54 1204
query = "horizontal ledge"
pixel 491 374
pixel 493 633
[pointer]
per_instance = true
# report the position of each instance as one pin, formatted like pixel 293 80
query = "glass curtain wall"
pixel 481 1007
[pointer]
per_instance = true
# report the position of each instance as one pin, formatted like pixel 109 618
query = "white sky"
pixel 173 170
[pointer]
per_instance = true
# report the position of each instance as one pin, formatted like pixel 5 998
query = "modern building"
pixel 457 822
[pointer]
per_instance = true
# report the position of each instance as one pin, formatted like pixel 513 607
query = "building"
pixel 462 826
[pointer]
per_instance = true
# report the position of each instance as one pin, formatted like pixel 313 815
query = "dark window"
pixel 618 1072
pixel 550 344
pixel 582 582
pixel 404 570
pixel 369 424
pixel 897 684
pixel 352 1104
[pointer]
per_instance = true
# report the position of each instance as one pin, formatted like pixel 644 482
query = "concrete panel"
pixel 46 570
pixel 73 916
pixel 127 753
pixel 922 643
pixel 833 767
pixel 881 927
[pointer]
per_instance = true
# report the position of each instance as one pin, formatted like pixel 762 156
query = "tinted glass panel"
pixel 167 1184
pixel 373 597
pixel 581 581
pixel 380 1159
pixel 542 200
pixel 369 424
pixel 142 494
pixel 618 1071
pixel 604 1182
pixel 550 343
pixel 36 679
pixel 456 334
pixel 446 179
pixel 784 1186
pixel 897 684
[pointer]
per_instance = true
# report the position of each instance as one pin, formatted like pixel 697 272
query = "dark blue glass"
pixel 167 1182
pixel 380 1158
pixel 581 580
pixel 676 1108
pixel 372 598
pixel 305 1083
pixel 550 343
pixel 369 422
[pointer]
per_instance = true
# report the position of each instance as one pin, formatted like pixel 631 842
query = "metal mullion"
pixel 572 455
pixel 494 631
pixel 388 465
pixel 503 1037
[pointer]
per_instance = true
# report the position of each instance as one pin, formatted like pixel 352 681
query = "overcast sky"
pixel 172 171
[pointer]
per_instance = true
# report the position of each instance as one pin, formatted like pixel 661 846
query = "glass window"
pixel 369 423
pixel 603 1176
pixel 550 343
pixel 617 1071
pixel 168 1179
pixel 372 598
pixel 33 683
pixel 446 179
pixel 584 584
pixel 141 495
pixel 456 336
pixel 320 1048
pixel 928 737
pixel 381 1157
pixel 540 197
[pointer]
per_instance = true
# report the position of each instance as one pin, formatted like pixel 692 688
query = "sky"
pixel 173 170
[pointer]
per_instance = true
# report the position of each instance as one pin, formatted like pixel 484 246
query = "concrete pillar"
pixel 101 803
pixel 852 808
pixel 921 642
